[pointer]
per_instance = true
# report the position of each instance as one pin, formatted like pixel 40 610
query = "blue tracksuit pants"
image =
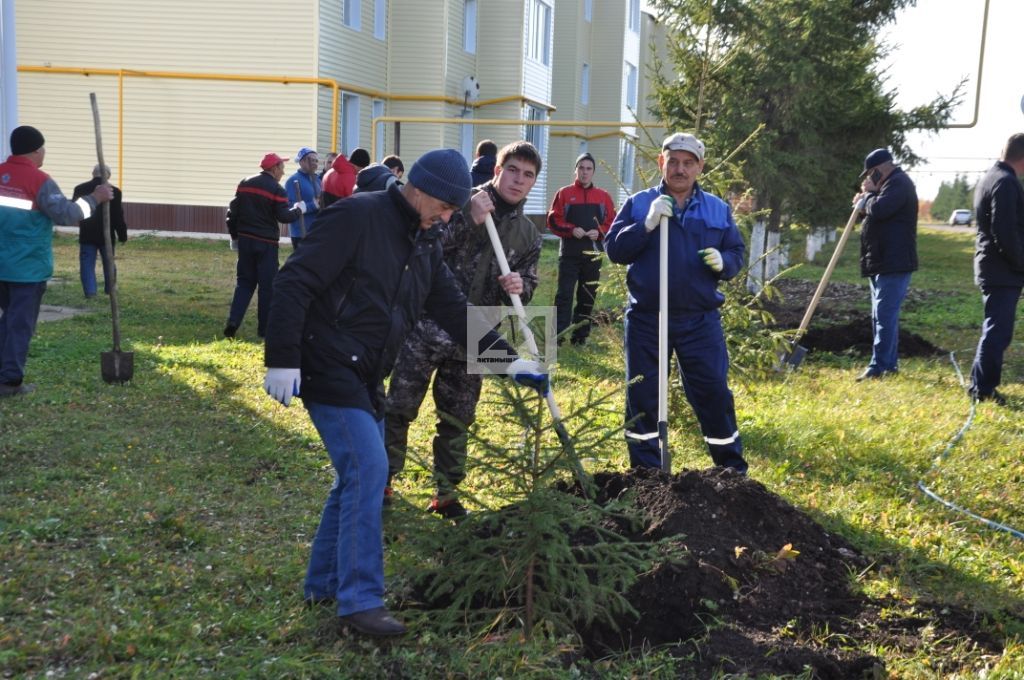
pixel 698 344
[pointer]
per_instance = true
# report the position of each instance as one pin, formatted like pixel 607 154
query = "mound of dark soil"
pixel 841 324
pixel 763 583
pixel 765 589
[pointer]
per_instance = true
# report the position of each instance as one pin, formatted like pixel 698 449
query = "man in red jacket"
pixel 580 215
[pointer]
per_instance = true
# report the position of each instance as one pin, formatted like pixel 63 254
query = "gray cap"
pixel 681 141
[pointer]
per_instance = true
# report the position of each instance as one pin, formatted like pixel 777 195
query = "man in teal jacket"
pixel 30 203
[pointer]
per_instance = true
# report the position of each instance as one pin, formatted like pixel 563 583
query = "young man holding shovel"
pixel 343 305
pixel 30 204
pixel 430 351
pixel 704 247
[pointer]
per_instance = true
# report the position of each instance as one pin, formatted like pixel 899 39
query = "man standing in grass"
pixel 888 253
pixel 252 220
pixel 580 216
pixel 304 187
pixel 343 305
pixel 705 247
pixel 998 264
pixel 431 351
pixel 30 203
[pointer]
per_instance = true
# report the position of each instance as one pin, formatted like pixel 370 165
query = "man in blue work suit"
pixel 705 247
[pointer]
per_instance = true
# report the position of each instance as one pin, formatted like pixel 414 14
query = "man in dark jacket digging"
pixel 888 253
pixel 998 264
pixel 343 305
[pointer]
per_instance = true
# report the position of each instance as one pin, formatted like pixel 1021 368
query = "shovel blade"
pixel 793 358
pixel 117 366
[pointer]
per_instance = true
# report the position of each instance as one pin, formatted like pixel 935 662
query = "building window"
pixel 631 86
pixel 535 133
pixel 349 123
pixel 633 20
pixel 380 18
pixel 376 111
pixel 540 32
pixel 628 163
pixel 588 10
pixel 469 27
pixel 585 84
pixel 350 13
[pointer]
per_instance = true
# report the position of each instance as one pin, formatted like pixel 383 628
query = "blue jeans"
pixel 887 293
pixel 87 268
pixel 257 267
pixel 996 334
pixel 19 303
pixel 347 560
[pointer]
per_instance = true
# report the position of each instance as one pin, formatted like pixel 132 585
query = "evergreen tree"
pixel 952 196
pixel 805 70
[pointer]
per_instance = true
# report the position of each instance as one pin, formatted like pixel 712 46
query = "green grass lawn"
pixel 162 528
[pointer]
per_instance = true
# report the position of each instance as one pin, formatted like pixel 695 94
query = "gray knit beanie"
pixel 443 174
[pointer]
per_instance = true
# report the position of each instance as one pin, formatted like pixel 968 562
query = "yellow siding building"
pixel 192 94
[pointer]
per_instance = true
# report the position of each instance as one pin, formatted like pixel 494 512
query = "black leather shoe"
pixel 229 331
pixel 376 622
pixel 449 509
pixel 995 396
pixel 874 374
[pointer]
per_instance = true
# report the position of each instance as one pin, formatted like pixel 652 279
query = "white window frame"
pixel 633 19
pixel 539 43
pixel 632 86
pixel 376 111
pixel 350 13
pixel 534 134
pixel 627 164
pixel 588 10
pixel 380 19
pixel 585 84
pixel 469 26
pixel 349 122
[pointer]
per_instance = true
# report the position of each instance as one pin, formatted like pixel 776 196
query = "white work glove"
pixel 300 206
pixel 661 207
pixel 282 383
pixel 529 373
pixel 860 202
pixel 712 258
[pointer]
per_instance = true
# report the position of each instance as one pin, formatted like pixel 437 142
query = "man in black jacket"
pixel 888 253
pixel 998 264
pixel 342 308
pixel 260 203
pixel 90 234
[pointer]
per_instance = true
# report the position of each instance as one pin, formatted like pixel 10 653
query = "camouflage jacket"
pixel 469 255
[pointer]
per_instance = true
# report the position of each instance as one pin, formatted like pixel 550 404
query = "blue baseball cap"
pixel 303 152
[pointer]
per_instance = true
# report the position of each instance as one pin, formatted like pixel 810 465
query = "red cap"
pixel 270 160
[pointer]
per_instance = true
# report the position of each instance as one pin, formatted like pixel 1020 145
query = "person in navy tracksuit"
pixel 705 247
